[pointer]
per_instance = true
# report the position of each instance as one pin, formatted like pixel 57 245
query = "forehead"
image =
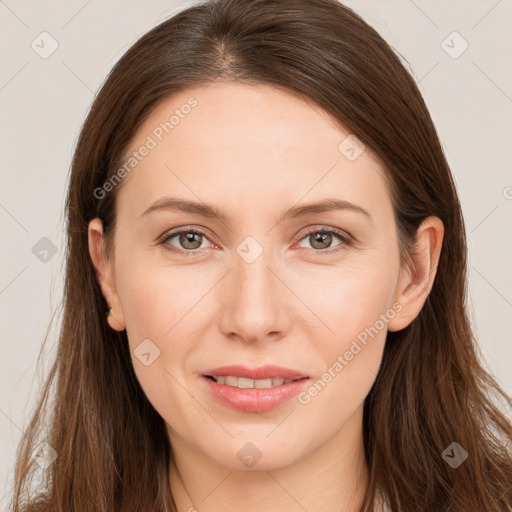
pixel 242 116
pixel 224 140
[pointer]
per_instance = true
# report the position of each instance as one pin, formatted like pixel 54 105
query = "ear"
pixel 415 283
pixel 105 274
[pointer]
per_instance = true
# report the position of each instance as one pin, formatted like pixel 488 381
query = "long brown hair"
pixel 112 449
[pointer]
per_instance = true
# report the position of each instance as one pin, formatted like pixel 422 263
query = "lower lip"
pixel 254 399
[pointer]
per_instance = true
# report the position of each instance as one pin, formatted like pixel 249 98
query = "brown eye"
pixel 321 240
pixel 188 241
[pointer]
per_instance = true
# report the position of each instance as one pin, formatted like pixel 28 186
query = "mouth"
pixel 247 383
pixel 253 390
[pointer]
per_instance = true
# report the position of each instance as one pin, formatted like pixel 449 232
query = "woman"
pixel 260 203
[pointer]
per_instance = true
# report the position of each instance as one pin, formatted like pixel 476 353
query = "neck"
pixel 332 477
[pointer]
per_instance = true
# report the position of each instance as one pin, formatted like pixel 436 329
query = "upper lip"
pixel 262 372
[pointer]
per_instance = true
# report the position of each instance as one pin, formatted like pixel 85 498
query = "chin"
pixel 258 454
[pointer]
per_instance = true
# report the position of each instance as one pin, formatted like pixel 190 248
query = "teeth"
pixel 245 383
pixel 231 381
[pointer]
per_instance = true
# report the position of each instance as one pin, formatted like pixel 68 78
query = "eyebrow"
pixel 208 211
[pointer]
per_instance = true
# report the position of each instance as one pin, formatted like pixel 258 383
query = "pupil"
pixel 321 238
pixel 189 240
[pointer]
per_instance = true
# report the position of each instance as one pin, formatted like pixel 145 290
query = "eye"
pixel 190 241
pixel 321 240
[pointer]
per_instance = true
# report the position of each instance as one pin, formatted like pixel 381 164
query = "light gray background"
pixel 44 101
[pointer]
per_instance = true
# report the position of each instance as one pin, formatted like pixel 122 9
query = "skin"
pixel 254 152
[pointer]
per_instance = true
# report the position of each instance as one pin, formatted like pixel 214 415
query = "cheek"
pixel 158 308
pixel 350 297
pixel 166 311
pixel 358 316
pixel 351 360
pixel 158 300
pixel 356 306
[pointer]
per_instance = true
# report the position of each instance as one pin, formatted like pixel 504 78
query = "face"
pixel 265 281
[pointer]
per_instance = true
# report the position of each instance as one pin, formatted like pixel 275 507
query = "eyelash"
pixel 346 240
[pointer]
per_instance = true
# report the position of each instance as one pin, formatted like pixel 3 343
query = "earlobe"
pixel 105 275
pixel 415 284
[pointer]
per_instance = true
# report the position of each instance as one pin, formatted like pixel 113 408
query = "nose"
pixel 254 299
